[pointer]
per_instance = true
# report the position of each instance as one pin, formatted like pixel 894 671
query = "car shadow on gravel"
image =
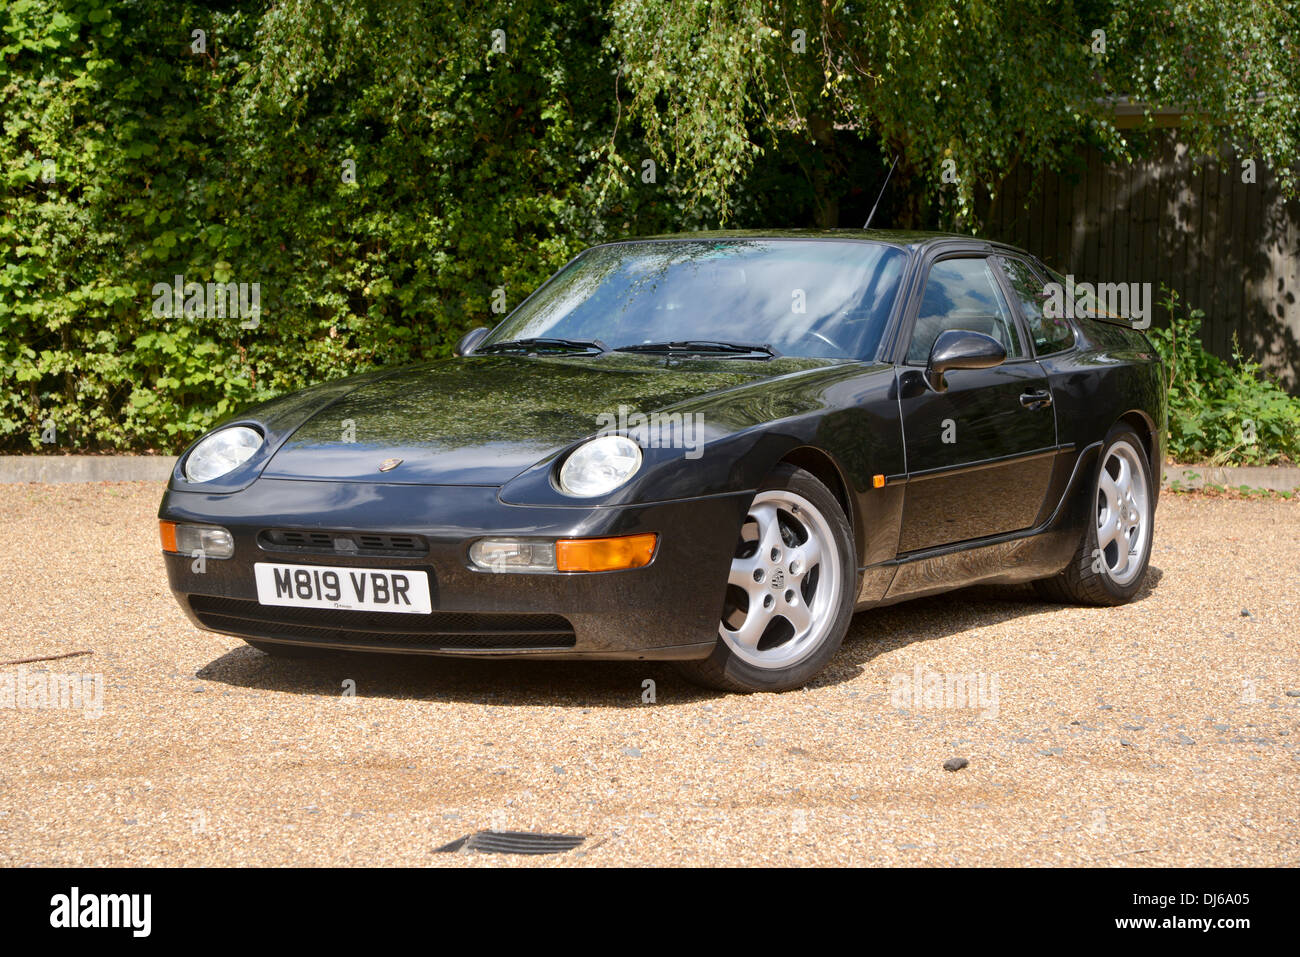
pixel 618 684
pixel 503 683
pixel 879 631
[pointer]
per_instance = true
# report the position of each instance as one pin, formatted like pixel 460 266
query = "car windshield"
pixel 826 299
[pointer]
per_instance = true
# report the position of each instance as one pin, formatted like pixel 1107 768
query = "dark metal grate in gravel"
pixel 513 842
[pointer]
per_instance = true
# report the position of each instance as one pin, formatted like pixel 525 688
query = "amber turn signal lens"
pixel 604 554
pixel 877 481
pixel 167 531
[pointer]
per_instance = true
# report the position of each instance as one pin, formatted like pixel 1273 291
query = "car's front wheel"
pixel 790 589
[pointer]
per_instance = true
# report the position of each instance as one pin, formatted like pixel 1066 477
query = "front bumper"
pixel 666 610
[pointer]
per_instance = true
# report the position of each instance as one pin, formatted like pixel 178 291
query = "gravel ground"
pixel 1161 733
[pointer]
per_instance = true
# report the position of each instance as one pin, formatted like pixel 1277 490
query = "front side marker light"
pixel 605 554
pixel 211 540
pixel 565 555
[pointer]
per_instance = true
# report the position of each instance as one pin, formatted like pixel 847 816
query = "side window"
pixel 962 294
pixel 1049 335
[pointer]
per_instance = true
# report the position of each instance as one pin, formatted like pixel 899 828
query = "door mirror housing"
pixel 961 349
pixel 469 340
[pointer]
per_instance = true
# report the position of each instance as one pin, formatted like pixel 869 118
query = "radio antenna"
pixel 872 215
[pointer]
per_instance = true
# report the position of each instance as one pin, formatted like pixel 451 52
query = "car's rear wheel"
pixel 790 590
pixel 1111 561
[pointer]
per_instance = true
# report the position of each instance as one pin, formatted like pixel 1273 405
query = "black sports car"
pixel 711 448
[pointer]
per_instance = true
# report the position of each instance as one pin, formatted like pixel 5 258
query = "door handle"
pixel 1036 399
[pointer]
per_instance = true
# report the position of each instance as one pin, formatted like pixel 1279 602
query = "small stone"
pixel 1220 727
pixel 1245 613
pixel 1049 752
pixel 1293 694
pixel 955 764
pixel 1134 727
pixel 632 752
pixel 1124 743
pixel 1184 739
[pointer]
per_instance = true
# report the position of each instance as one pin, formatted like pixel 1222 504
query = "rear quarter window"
pixel 1049 335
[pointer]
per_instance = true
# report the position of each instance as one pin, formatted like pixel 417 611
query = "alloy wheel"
pixel 1123 513
pixel 785 582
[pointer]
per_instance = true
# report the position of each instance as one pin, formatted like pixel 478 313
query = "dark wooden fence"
pixel 1230 248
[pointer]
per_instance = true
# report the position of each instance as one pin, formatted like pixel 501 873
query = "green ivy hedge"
pixel 376 221
pixel 1221 413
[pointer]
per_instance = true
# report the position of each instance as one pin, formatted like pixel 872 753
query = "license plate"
pixel 351 589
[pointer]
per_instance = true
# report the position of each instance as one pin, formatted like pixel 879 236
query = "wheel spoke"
pixel 755 623
pixel 808 555
pixel 1122 556
pixel 1124 480
pixel 742 575
pixel 767 515
pixel 1109 486
pixel 797 615
pixel 1109 533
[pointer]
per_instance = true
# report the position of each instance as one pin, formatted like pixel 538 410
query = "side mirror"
pixel 469 340
pixel 960 349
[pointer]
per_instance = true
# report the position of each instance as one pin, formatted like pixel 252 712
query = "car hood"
pixel 481 420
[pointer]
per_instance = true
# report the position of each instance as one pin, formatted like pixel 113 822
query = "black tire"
pixel 725 670
pixel 277 650
pixel 1087 580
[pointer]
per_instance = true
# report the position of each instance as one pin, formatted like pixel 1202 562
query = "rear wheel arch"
pixel 1146 431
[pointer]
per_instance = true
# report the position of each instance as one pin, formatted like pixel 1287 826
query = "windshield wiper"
pixel 545 342
pixel 703 347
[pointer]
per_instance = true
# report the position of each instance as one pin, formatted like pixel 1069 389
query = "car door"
pixel 980 454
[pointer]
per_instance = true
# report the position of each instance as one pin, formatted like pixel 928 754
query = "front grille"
pixel 313 542
pixel 433 632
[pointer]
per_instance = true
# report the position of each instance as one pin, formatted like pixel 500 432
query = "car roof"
pixel 912 239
